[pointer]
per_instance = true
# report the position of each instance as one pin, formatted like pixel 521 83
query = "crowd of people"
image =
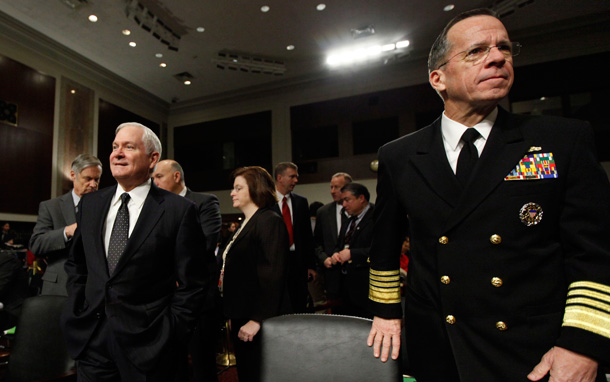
pixel 502 268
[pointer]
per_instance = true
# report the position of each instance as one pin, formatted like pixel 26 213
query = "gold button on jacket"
pixel 495 239
pixel 443 240
pixel 445 280
pixel 501 326
pixel 450 319
pixel 496 281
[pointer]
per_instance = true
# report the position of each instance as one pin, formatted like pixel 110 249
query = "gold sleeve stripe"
pixel 395 272
pixel 385 284
pixel 586 301
pixel 591 285
pixel 385 279
pixel 587 294
pixel 589 319
pixel 385 297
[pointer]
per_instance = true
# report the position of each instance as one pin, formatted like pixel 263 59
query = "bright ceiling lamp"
pixel 363 55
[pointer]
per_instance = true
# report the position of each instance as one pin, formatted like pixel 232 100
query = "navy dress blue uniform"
pixel 502 269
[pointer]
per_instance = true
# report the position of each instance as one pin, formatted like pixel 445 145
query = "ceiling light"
pixel 200 29
pixel 163 64
pixel 402 44
pixel 321 7
pixel 290 47
pixel 361 55
pixel 365 31
pixel 73 91
pixel 132 44
pixel 159 55
pixel 93 18
pixel 184 77
pixel 156 24
pixel 448 7
pixel 265 8
pixel 126 32
pixel 187 82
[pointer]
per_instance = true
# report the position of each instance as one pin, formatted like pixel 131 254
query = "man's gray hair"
pixel 281 167
pixel 149 138
pixel 83 161
pixel 441 47
pixel 345 175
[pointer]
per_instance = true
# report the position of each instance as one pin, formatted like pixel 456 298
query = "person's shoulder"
pixel 546 124
pixel 299 198
pixel 413 139
pixel 200 197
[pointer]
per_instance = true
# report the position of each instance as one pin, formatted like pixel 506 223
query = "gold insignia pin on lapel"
pixel 534 149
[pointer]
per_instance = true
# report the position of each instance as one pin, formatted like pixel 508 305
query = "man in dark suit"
pixel 329 220
pixel 169 176
pixel 56 223
pixel 503 223
pixel 136 271
pixel 294 209
pixel 13 289
pixel 351 253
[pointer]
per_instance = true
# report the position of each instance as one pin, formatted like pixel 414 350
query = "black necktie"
pixel 468 156
pixel 350 230
pixel 119 235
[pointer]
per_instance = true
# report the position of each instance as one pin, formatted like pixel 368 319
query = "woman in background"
pixel 254 267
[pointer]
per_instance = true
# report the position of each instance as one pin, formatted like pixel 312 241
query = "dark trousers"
pixel 103 360
pixel 247 354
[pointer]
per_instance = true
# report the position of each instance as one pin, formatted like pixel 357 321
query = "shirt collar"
pixel 452 130
pixel 183 192
pixel 75 198
pixel 137 195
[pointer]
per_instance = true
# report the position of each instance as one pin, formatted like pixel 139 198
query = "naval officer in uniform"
pixel 509 217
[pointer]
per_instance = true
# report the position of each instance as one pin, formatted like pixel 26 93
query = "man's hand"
pixel 385 333
pixel 564 365
pixel 248 331
pixel 329 262
pixel 343 256
pixel 69 230
pixel 311 274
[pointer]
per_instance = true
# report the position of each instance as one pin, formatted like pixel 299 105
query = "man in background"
pixel 294 209
pixel 351 253
pixel 56 223
pixel 506 214
pixel 329 221
pixel 169 176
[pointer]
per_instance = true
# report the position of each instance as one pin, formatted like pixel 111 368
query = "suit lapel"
pixel 67 208
pixel 152 211
pixel 431 161
pixel 504 149
pixel 248 227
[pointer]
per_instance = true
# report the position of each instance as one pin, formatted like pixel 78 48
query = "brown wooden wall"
pixel 26 149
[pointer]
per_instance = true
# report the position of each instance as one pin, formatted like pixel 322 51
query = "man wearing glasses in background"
pixel 508 215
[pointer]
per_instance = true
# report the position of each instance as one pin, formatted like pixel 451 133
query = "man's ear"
pixel 437 80
pixel 177 177
pixel 72 175
pixel 154 159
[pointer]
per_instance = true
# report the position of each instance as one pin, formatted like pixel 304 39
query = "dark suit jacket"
pixel 145 309
pixel 304 257
pixel 48 241
pixel 519 277
pixel 254 285
pixel 325 237
pixel 13 288
pixel 211 222
pixel 356 271
pixel 209 216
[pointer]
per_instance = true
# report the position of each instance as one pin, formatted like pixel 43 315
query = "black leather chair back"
pixel 316 347
pixel 39 351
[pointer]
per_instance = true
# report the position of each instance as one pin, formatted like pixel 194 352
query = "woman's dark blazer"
pixel 254 285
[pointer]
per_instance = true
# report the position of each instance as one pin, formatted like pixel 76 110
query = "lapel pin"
pixel 534 149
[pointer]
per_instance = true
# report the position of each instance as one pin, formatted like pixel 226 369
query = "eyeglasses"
pixel 479 53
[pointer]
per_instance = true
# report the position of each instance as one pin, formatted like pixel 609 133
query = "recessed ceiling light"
pixel 159 55
pixel 163 64
pixel 73 91
pixel 265 8
pixel 92 18
pixel 126 32
pixel 200 29
pixel 132 44
pixel 187 82
pixel 448 7
pixel 290 47
pixel 402 44
pixel 321 7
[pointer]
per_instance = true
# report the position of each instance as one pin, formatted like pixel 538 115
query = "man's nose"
pixel 495 55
